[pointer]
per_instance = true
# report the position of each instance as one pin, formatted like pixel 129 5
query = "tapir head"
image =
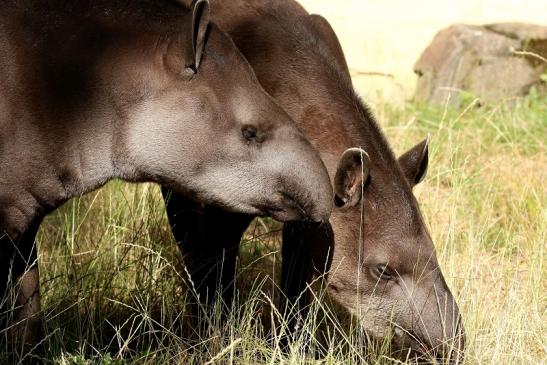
pixel 384 268
pixel 199 122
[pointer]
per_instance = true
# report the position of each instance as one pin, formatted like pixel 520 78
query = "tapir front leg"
pixel 306 252
pixel 209 239
pixel 20 324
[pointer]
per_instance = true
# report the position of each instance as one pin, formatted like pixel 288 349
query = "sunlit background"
pixel 388 36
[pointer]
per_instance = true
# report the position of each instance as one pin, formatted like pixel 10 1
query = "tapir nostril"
pixel 334 288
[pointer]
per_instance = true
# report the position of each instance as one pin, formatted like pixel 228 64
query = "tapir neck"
pixel 86 158
pixel 45 162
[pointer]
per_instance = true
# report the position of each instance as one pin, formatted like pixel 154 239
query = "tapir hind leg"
pixel 209 240
pixel 20 324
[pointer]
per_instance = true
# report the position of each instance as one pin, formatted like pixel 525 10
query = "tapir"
pixel 142 91
pixel 380 259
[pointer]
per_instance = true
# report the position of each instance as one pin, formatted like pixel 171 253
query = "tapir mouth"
pixel 407 342
pixel 408 345
pixel 284 206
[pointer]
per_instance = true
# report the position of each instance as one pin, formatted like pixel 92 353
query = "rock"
pixel 492 62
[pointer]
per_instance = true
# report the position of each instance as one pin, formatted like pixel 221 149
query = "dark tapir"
pixel 140 91
pixel 383 266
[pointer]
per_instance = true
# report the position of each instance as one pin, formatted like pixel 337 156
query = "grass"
pixel 114 287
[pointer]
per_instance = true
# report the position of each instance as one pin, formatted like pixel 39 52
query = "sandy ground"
pixel 388 36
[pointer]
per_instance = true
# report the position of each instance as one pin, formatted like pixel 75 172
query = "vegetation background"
pixel 113 284
pixel 388 36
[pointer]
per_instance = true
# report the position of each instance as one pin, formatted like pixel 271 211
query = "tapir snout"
pixel 436 322
pixel 303 193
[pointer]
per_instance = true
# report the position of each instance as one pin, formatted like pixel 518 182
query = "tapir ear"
pixel 414 162
pixel 200 28
pixel 353 171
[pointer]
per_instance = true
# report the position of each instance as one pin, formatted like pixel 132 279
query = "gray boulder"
pixel 492 62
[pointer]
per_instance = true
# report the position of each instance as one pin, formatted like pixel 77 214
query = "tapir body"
pixel 380 259
pixel 144 91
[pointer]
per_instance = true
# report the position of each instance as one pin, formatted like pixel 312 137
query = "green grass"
pixel 114 287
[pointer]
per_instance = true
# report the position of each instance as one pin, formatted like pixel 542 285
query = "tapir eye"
pixel 249 133
pixel 382 272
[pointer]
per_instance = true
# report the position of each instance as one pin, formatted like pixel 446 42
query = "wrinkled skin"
pixel 380 259
pixel 142 91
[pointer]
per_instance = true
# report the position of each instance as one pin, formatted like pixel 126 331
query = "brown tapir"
pixel 383 266
pixel 144 91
